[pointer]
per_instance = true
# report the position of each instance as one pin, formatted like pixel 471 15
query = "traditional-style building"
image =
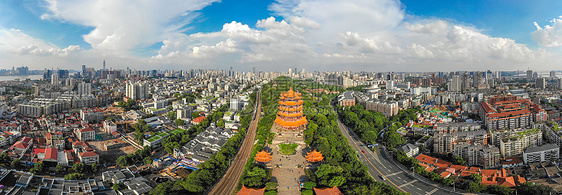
pixel 290 115
pixel 263 157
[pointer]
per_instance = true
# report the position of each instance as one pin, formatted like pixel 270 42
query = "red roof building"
pixel 328 191
pixel 50 154
pixel 251 191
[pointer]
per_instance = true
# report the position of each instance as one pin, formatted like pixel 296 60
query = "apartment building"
pixel 346 99
pixel 545 153
pixel 513 143
pixel 444 143
pixel 509 112
pixel 478 155
pixel 456 127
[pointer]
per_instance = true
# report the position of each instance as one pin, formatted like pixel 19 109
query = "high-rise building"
pixel 84 89
pixel 103 65
pixel 137 91
pixel 553 75
pixel 540 83
pixel 455 84
pixel 477 79
pixel 465 82
pixel 529 75
pixel 63 74
pixel 54 79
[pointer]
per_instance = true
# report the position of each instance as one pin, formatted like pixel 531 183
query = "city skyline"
pixel 276 35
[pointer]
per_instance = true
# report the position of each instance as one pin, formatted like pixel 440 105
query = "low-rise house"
pixel 410 149
pixel 86 134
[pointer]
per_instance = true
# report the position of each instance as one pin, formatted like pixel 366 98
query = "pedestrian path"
pixel 287 169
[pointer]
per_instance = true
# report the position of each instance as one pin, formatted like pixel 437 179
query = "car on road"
pixel 383 178
pixel 363 151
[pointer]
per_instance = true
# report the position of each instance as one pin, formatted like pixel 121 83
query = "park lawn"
pixel 287 149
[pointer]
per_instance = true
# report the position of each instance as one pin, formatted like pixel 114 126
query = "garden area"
pixel 287 149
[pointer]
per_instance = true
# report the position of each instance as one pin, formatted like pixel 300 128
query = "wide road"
pixel 381 166
pixel 229 181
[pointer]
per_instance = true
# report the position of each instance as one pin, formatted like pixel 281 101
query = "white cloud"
pixel 336 16
pixel 16 42
pixel 370 35
pixel 549 36
pixel 124 25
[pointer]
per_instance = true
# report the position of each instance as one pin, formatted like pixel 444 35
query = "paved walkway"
pixel 286 171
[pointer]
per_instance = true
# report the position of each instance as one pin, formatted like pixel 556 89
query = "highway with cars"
pixel 386 170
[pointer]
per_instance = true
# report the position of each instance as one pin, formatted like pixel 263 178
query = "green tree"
pixel 122 161
pixel 393 139
pixel 79 168
pixel 307 192
pixel 255 178
pixel 59 169
pixel 220 123
pixel 336 181
pixel 16 163
pixel 74 176
pixel 172 115
pixel 370 137
pixel 194 115
pixel 119 186
pixel 474 187
pixel 179 122
pixel 147 160
pixel 94 168
pixel 531 188
pixel 4 158
pixel 163 188
pixel 309 185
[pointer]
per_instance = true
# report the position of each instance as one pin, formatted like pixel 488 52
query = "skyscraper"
pixel 529 75
pixel 552 75
pixel 477 79
pixel 465 82
pixel 103 65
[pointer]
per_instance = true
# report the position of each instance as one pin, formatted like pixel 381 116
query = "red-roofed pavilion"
pixel 263 157
pixel 314 156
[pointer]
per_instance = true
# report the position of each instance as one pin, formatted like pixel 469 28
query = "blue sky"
pixel 369 35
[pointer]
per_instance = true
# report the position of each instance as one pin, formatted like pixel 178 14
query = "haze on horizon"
pixel 357 35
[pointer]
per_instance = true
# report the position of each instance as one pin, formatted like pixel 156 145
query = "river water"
pixel 21 77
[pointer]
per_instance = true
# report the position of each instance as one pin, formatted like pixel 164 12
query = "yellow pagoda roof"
pixel 291 103
pixel 263 156
pixel 281 113
pixel 314 156
pixel 299 108
pixel 291 93
pixel 297 123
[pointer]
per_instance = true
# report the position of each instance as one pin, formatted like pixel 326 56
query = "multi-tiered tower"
pixel 290 115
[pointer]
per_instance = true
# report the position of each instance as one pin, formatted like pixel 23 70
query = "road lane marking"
pixel 432 191
pixel 393 174
pixel 411 182
pixel 400 188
